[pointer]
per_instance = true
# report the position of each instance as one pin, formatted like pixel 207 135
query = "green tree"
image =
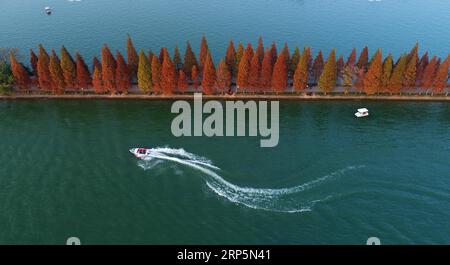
pixel 327 79
pixel 144 74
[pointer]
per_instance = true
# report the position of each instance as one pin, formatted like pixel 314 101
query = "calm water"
pixel 66 171
pixel 394 25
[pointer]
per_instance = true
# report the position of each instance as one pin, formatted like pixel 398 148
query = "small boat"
pixel 140 152
pixel 363 112
pixel 48 10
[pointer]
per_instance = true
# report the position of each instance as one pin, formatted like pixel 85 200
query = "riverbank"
pixel 413 97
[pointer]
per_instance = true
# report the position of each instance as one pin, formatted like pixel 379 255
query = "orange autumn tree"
pixel 209 76
pixel 441 80
pixel 203 51
pixel 195 77
pixel 189 60
pixel 373 77
pixel 239 54
pixel 396 81
pixel 230 58
pixel 97 82
pixel 156 75
pixel 387 72
pixel 168 75
pixel 44 78
pixel 254 73
pixel 132 58
pixel 183 84
pixel 123 79
pixel 33 62
pixel 279 75
pixel 223 76
pixel 177 59
pixel 429 73
pixel 327 79
pixel 265 81
pixel 409 75
pixel 260 50
pixel 56 74
pixel 83 77
pixel 21 78
pixel 108 70
pixel 68 67
pixel 301 72
pixel 273 53
pixel 244 69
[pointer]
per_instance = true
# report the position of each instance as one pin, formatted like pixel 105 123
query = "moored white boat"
pixel 48 10
pixel 362 112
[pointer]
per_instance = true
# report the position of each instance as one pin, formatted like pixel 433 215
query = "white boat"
pixel 48 10
pixel 140 152
pixel 362 112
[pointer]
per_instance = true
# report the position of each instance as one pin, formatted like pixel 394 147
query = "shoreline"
pixel 229 97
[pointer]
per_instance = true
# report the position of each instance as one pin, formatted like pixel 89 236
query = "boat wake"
pixel 277 200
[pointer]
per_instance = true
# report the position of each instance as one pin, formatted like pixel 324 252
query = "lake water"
pixel 65 169
pixel 393 25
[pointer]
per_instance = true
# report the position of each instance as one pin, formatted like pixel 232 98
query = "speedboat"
pixel 363 112
pixel 48 10
pixel 140 152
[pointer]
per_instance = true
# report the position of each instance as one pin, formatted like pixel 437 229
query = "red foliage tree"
pixel 156 75
pixel 44 78
pixel 132 58
pixel 183 84
pixel 317 67
pixel 189 60
pixel 203 51
pixel 265 82
pixel 83 79
pixel 33 62
pixel 274 54
pixel 123 78
pixel 56 74
pixel 254 73
pixel 351 58
pixel 260 50
pixel 244 69
pixel 230 58
pixel 223 76
pixel 195 77
pixel 108 69
pixel 423 62
pixel 209 76
pixel 441 79
pixel 168 75
pixel 97 80
pixel 21 77
pixel 429 73
pixel 279 76
pixel 363 60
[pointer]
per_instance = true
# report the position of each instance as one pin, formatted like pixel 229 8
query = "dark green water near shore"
pixel 65 170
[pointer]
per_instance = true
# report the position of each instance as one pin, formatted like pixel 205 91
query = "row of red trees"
pixel 251 70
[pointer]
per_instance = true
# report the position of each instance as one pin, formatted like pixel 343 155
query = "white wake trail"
pixel 279 200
